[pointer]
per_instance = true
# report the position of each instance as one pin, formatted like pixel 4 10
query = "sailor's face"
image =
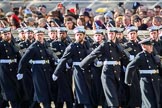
pixel 6 36
pixel 79 37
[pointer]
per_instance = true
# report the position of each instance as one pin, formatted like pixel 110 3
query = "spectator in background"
pixel 43 10
pixel 87 18
pixel 27 13
pixel 69 24
pixel 128 12
pixel 21 19
pixel 135 6
pixel 121 6
pixel 137 22
pixel 143 14
pixel 109 19
pixel 160 12
pixel 35 16
pixel 142 11
pixel 150 13
pixel 119 21
pixel 8 16
pixel 51 19
pixel 30 22
pixel 126 21
pixel 156 21
pixel 142 8
pixel 61 8
pixel 147 21
pixel 118 13
pixel 57 17
pixel 16 10
pixel 53 23
pixel 42 23
pixel 157 9
pixel 69 14
pixel 99 22
pixel 13 20
pixel 80 22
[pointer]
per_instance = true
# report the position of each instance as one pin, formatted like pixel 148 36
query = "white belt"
pixel 149 71
pixel 112 63
pixel 8 60
pixel 40 62
pixel 76 63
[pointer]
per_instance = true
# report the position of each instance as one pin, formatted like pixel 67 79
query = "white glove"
pixel 67 66
pixel 58 60
pixel 129 84
pixel 54 77
pixel 19 76
pixel 30 61
pixel 131 57
pixel 99 64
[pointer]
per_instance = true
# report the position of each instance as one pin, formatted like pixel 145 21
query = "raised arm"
pixel 24 61
pixel 131 69
pixel 66 56
pixel 90 58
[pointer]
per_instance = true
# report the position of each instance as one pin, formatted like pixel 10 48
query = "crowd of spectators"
pixel 37 16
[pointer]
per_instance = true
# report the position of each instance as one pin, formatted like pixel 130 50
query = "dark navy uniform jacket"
pixel 110 76
pixel 134 97
pixel 158 50
pixel 27 78
pixel 59 47
pixel 136 48
pixel 123 40
pixel 65 80
pixel 158 47
pixel 49 41
pixel 77 52
pixel 25 44
pixel 97 89
pixel 41 73
pixel 9 85
pixel 149 83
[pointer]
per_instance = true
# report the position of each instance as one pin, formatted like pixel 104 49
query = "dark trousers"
pixel 112 107
pixel 104 105
pixel 15 104
pixel 25 104
pixel 3 103
pixel 83 106
pixel 68 105
pixel 45 104
pixel 34 104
